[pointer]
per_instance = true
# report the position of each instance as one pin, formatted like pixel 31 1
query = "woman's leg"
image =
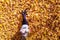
pixel 24 17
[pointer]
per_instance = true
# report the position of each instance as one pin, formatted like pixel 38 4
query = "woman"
pixel 24 29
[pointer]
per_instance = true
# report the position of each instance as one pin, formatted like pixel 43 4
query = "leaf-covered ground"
pixel 43 17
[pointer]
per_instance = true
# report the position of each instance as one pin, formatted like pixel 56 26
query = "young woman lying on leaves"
pixel 24 29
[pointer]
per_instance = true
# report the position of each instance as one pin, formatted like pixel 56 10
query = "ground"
pixel 43 17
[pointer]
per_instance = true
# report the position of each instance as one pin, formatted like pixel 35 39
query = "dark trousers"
pixel 24 20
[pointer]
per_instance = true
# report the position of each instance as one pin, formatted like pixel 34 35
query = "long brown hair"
pixel 23 38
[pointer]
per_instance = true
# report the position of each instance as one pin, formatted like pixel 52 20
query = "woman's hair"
pixel 23 38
